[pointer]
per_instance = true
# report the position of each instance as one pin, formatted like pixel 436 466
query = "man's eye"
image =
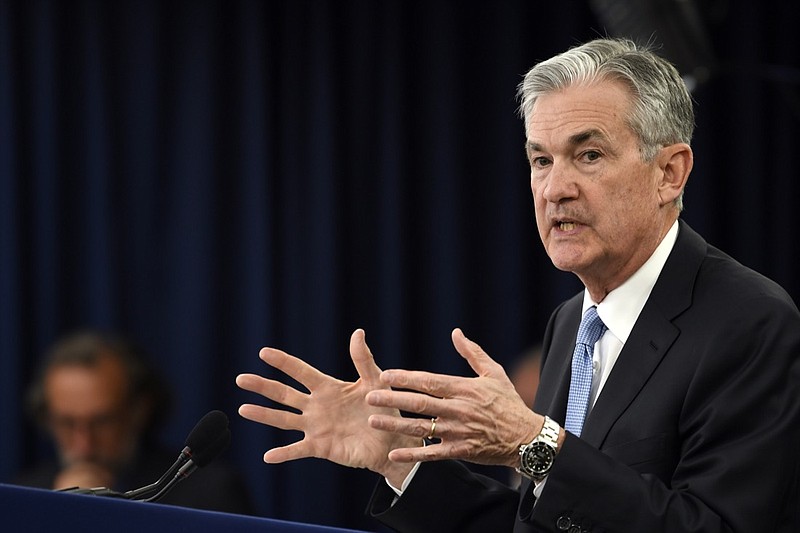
pixel 539 161
pixel 590 155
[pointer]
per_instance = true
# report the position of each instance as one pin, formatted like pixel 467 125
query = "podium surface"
pixel 36 510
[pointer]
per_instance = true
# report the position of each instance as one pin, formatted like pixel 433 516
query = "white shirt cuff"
pixel 406 481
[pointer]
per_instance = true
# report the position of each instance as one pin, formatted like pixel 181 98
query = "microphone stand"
pixel 143 493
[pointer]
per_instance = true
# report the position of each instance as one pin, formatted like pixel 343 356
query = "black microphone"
pixel 199 459
pixel 208 439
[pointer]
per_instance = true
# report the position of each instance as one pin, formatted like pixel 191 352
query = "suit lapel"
pixel 650 339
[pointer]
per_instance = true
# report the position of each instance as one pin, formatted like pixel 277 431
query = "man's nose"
pixel 82 441
pixel 560 183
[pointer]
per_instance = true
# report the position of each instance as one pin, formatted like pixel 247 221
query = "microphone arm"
pixel 207 440
pixel 200 459
pixel 145 492
pixel 183 472
pixel 141 493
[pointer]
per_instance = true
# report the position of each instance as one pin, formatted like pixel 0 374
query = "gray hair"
pixel 661 112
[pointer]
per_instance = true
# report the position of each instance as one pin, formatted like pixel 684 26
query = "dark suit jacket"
pixel 696 429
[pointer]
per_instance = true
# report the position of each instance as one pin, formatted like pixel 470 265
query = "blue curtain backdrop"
pixel 214 177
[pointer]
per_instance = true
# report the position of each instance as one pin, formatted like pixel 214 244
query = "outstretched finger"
pixel 362 357
pixel 293 367
pixel 277 418
pixel 296 450
pixel 434 385
pixel 413 455
pixel 478 359
pixel 420 428
pixel 424 402
pixel 273 390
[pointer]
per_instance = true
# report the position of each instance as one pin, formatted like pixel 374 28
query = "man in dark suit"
pixel 668 398
pixel 100 401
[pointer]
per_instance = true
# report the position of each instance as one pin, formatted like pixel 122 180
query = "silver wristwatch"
pixel 536 457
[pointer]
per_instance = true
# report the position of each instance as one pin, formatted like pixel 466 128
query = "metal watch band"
pixel 549 433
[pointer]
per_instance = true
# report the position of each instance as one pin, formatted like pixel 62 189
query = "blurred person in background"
pixel 101 402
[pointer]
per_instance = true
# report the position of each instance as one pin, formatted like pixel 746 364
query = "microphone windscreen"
pixel 207 431
pixel 205 455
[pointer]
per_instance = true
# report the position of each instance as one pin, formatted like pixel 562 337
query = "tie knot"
pixel 591 328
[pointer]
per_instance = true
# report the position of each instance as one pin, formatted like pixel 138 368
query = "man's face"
pixel 597 204
pixel 88 413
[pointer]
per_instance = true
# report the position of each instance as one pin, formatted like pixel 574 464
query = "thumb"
pixel 362 357
pixel 478 359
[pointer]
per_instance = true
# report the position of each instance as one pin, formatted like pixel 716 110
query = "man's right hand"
pixel 333 415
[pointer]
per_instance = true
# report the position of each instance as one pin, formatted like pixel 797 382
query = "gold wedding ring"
pixel 433 428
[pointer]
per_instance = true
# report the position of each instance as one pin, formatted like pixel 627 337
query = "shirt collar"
pixel 621 307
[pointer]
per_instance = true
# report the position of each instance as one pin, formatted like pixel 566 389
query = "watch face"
pixel 537 458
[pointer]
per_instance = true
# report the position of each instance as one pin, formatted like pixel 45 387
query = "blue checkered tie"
pixel 590 330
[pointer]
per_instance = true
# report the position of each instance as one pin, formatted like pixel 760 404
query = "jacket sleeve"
pixel 446 497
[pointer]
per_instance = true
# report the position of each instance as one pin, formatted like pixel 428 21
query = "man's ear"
pixel 675 162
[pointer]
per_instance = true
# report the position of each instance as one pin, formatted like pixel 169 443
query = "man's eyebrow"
pixel 576 139
pixel 533 147
pixel 588 135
